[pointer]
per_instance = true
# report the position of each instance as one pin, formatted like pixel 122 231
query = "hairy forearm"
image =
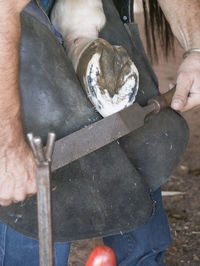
pixel 9 54
pixel 9 61
pixel 184 18
pixel 11 128
pixel 17 164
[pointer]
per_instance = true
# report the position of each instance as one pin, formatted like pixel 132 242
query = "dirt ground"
pixel 183 211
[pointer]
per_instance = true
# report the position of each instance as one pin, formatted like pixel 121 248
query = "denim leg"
pixel 18 250
pixel 146 245
pixel 2 243
pixel 142 247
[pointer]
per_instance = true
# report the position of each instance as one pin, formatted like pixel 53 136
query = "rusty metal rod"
pixel 50 145
pixel 44 215
pixel 43 175
pixel 30 138
pixel 39 149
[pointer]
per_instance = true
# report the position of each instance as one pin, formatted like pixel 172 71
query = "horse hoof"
pixel 109 77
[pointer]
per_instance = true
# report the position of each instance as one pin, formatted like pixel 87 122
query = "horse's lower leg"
pixel 106 72
pixel 79 21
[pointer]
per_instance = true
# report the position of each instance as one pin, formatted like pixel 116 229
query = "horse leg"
pixel 106 72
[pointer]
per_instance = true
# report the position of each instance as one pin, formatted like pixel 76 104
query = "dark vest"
pixel 107 191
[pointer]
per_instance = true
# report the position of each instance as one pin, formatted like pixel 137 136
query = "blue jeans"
pixel 145 246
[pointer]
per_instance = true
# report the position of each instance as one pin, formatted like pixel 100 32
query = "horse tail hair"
pixel 157 27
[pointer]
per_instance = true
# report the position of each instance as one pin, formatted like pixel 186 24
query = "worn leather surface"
pixel 105 192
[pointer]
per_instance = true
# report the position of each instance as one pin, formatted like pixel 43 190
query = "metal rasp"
pixel 105 131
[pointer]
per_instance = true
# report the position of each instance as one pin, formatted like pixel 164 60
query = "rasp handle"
pixel 169 95
pixel 162 101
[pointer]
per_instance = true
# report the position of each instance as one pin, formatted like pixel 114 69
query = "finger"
pixel 19 195
pixel 31 184
pixel 183 87
pixel 31 187
pixel 193 102
pixel 5 202
pixel 6 193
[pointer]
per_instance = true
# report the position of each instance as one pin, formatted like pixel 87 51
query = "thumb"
pixel 181 95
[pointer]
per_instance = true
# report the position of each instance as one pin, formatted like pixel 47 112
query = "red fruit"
pixel 102 256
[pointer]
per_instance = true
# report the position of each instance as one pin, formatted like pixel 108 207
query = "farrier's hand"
pixel 187 95
pixel 17 173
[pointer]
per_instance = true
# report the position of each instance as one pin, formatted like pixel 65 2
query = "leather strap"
pixel 125 9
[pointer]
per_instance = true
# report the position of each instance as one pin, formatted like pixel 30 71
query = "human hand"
pixel 18 174
pixel 17 166
pixel 187 95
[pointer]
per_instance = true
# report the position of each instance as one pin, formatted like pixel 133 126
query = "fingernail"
pixel 176 104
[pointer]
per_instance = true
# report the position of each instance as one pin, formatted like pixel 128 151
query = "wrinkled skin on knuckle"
pixel 184 77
